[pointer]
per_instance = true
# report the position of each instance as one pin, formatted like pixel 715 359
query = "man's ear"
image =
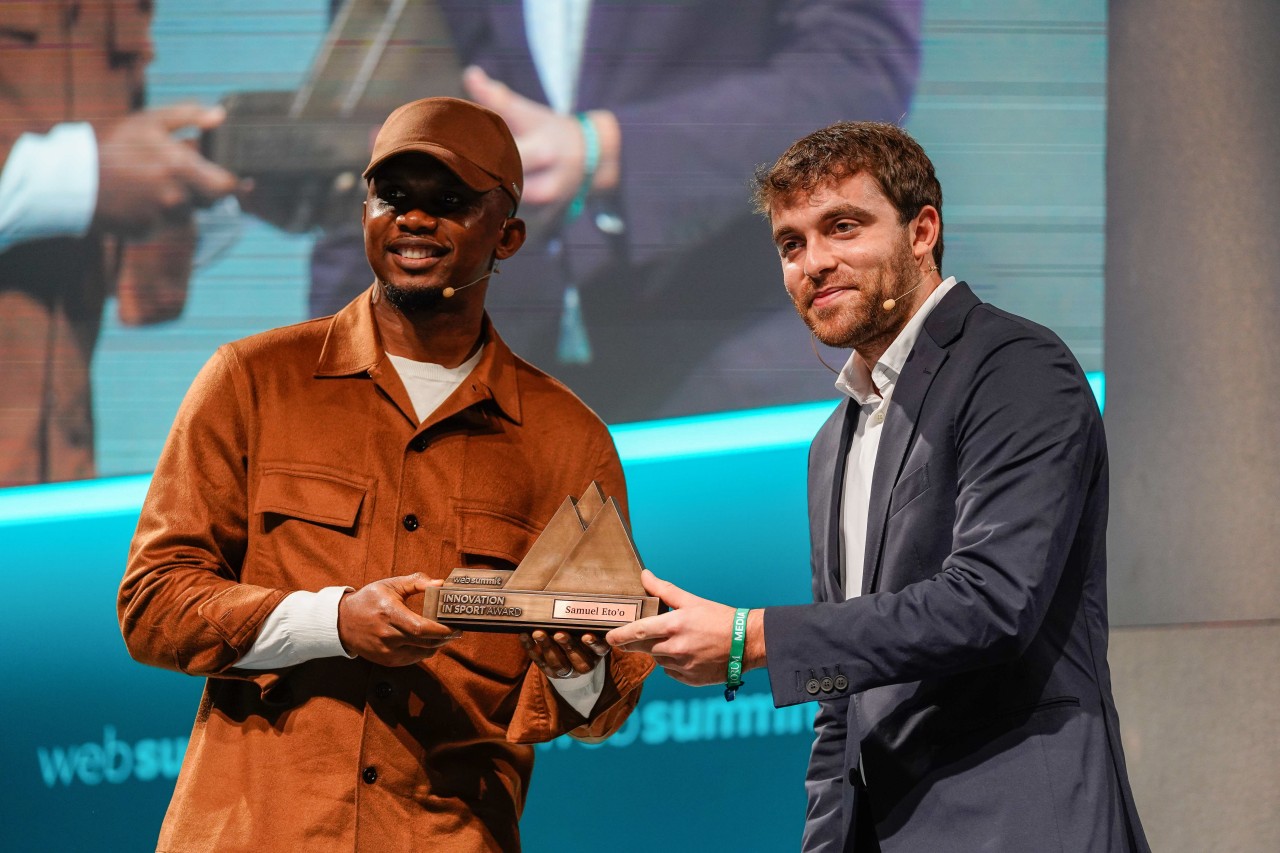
pixel 924 230
pixel 511 238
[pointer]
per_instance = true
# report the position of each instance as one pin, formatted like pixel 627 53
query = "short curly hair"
pixel 884 151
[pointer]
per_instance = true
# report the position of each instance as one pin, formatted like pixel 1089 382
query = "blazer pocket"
pixel 908 488
pixel 1012 717
pixel 311 523
pixel 488 536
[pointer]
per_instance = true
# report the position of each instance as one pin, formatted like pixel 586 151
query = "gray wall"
pixel 1193 397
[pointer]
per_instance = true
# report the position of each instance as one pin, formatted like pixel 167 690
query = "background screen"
pixel 662 297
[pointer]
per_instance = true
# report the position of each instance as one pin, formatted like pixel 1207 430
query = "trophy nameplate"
pixel 582 574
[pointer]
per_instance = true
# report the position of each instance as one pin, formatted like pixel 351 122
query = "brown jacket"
pixel 60 61
pixel 293 464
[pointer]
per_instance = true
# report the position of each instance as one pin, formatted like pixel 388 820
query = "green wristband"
pixel 737 646
pixel 590 162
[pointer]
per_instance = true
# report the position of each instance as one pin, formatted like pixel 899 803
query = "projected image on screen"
pixel 647 285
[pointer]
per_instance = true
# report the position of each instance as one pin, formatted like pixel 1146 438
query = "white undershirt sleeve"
pixel 582 692
pixel 303 627
pixel 49 185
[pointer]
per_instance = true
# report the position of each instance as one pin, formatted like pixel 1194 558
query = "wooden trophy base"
pixel 582 573
pixel 470 600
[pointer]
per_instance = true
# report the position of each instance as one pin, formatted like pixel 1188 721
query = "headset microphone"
pixel 448 292
pixel 892 302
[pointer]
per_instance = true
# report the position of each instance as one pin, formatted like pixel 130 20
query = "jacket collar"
pixel 353 347
pixel 946 321
pixel 942 327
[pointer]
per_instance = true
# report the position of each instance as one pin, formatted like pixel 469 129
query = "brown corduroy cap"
pixel 475 143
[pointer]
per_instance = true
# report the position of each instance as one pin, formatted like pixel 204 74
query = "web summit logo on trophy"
pixel 582 573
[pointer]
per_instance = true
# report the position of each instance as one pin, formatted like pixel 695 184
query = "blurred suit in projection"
pixel 675 277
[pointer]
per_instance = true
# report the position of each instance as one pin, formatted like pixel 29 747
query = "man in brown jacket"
pixel 317 479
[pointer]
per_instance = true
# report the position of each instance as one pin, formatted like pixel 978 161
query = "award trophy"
pixel 582 573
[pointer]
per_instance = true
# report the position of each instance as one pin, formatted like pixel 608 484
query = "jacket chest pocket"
pixel 313 527
pixel 492 536
pixel 908 489
pixel 23 22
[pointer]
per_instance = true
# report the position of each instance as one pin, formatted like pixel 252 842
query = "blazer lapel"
pixel 941 328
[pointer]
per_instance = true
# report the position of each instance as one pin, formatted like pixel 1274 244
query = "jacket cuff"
pixel 783 631
pixel 236 615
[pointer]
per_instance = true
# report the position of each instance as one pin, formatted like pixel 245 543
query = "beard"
pixel 412 300
pixel 851 324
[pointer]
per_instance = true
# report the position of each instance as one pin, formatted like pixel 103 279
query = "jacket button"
pixel 382 690
pixel 812 686
pixel 827 684
pixel 410 522
pixel 419 444
pixel 842 683
pixel 370 775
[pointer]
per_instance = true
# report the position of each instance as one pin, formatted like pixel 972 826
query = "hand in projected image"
pixel 147 177
pixel 691 641
pixel 551 145
pixel 375 623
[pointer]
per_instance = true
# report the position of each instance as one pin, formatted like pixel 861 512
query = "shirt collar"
pixel 858 381
pixel 353 347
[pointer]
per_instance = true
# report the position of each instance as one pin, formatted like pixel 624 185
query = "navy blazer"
pixel 970 678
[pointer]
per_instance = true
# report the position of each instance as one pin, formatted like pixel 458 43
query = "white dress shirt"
pixel 871 389
pixel 557 32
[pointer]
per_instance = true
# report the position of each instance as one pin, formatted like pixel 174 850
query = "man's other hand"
pixel 147 177
pixel 562 655
pixel 375 623
pixel 691 641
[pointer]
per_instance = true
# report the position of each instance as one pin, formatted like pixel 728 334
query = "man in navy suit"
pixel 957 508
